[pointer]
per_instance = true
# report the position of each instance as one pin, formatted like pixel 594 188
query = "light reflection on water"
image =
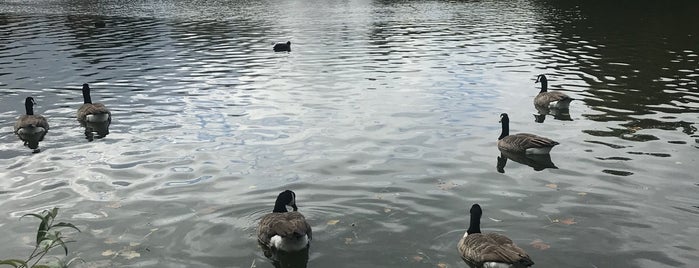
pixel 383 119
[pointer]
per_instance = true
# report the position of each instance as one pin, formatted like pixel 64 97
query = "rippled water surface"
pixel 383 119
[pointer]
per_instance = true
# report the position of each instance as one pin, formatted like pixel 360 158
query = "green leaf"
pixel 43 230
pixel 67 264
pixel 13 262
pixel 54 212
pixel 60 241
pixel 32 214
pixel 65 224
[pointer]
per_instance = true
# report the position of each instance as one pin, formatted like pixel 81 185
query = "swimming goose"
pixel 284 230
pixel 490 249
pixel 522 142
pixel 547 99
pixel 282 46
pixel 92 112
pixel 31 128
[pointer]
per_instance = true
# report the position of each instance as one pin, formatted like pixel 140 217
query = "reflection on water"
pixel 284 259
pixel 381 117
pixel 538 162
pixel 562 114
pixel 95 130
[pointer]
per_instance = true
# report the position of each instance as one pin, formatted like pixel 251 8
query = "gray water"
pixel 383 119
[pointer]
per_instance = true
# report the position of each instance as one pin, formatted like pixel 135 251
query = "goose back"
pixel 552 98
pixel 286 224
pixel 291 226
pixel 489 249
pixel 284 230
pixel 526 143
pixel 479 248
pixel 94 112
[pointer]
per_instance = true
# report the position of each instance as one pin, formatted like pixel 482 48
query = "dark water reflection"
pixel 383 119
pixel 538 162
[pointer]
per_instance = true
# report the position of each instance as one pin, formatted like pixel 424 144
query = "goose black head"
pixel 29 105
pixel 504 118
pixel 476 210
pixel 475 225
pixel 86 93
pixel 285 198
pixel 544 82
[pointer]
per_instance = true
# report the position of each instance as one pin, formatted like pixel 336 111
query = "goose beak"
pixel 294 207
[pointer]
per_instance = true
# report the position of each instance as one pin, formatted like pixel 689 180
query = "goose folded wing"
pixel 554 96
pixel 284 224
pixel 527 140
pixel 94 108
pixel 499 248
pixel 32 120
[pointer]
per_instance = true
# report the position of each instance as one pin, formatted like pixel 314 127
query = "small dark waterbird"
pixel 545 98
pixel 92 112
pixel 31 128
pixel 282 229
pixel 490 250
pixel 278 47
pixel 522 142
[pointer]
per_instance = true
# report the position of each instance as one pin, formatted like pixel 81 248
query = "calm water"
pixel 383 119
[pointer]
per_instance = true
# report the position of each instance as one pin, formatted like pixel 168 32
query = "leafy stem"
pixel 48 237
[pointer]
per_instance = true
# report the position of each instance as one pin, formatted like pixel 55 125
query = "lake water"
pixel 383 119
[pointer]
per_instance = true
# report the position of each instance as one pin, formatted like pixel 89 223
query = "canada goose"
pixel 284 230
pixel 522 142
pixel 31 128
pixel 92 112
pixel 550 99
pixel 282 46
pixel 491 249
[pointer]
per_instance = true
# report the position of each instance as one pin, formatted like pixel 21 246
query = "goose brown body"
pixel 547 98
pixel 284 230
pixel 286 224
pixel 491 247
pixel 31 128
pixel 522 142
pixel 494 249
pixel 92 112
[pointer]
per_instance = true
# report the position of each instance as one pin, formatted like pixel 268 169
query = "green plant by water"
pixel 48 237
